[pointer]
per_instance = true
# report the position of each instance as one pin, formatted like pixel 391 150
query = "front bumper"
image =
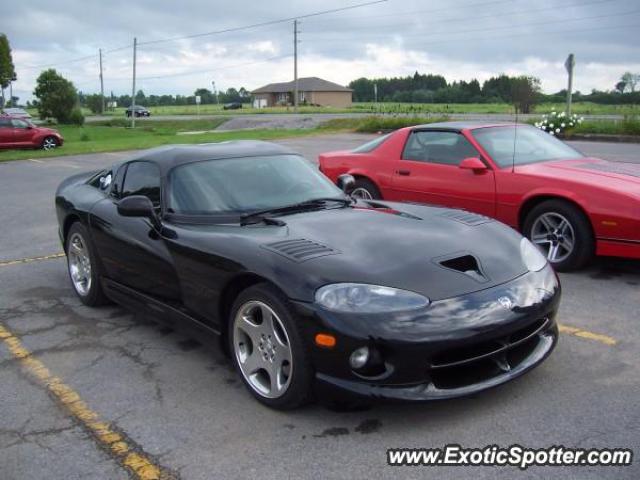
pixel 455 347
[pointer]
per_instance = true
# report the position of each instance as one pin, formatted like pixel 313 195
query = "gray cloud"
pixel 470 38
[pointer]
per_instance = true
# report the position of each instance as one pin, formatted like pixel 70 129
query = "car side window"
pixel 19 123
pixel 5 123
pixel 142 178
pixel 446 148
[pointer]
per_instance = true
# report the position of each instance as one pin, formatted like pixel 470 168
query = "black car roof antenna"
pixel 515 137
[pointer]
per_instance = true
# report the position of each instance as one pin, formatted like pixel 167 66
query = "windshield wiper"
pixel 294 207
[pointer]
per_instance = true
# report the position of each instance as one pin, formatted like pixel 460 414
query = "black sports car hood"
pixel 438 252
pixel 433 251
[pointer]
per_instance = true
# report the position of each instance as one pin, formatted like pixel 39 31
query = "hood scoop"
pixel 300 250
pixel 466 264
pixel 468 218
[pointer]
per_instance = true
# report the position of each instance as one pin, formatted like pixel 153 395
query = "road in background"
pixel 315 118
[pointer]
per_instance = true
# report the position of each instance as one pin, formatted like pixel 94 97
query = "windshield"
pixel 532 145
pixel 243 185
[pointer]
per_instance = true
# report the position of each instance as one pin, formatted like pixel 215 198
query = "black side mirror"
pixel 138 206
pixel 346 183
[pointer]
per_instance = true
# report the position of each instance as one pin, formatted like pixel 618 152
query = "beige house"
pixel 311 91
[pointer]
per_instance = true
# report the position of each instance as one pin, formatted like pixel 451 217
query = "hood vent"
pixel 468 218
pixel 466 264
pixel 300 250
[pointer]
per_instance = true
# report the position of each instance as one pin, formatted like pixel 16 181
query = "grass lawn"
pixel 109 136
pixel 581 108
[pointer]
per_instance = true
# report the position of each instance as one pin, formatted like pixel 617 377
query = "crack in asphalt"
pixel 107 435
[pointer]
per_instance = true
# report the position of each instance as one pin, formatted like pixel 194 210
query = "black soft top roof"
pixel 170 156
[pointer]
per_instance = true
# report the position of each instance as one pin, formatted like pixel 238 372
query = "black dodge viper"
pixel 311 292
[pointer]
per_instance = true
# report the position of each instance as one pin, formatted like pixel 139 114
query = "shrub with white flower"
pixel 556 123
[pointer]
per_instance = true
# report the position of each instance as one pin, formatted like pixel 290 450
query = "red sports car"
pixel 569 205
pixel 21 133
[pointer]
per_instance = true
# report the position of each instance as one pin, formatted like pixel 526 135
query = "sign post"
pixel 198 100
pixel 569 64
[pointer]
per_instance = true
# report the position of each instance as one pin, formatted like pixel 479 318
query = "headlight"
pixel 364 298
pixel 531 256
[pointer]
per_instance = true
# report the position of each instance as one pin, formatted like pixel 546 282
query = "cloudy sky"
pixel 461 40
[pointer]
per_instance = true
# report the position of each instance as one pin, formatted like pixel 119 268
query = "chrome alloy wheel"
pixel 553 234
pixel 79 264
pixel 362 193
pixel 262 349
pixel 49 143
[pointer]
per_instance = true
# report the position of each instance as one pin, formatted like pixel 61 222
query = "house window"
pixel 301 97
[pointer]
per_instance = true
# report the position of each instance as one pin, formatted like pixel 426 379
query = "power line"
pixel 474 18
pixel 213 69
pixel 74 60
pixel 532 24
pixel 261 24
pixel 509 27
pixel 537 33
pixel 87 57
pixel 413 12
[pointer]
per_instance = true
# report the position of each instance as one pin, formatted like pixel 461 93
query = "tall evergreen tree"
pixel 7 69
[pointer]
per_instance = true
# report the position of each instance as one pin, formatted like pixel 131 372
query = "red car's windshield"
pixel 511 145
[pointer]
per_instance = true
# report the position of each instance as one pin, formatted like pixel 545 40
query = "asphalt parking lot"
pixel 127 398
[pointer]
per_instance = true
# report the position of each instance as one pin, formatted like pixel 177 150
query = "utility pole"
pixel 295 65
pixel 101 86
pixel 569 64
pixel 214 91
pixel 133 88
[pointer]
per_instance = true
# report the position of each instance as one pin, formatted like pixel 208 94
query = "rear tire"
pixel 563 234
pixel 83 267
pixel 268 350
pixel 366 190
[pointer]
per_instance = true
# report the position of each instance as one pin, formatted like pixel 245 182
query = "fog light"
pixel 359 357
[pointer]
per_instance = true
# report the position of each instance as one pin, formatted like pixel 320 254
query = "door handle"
pixel 403 172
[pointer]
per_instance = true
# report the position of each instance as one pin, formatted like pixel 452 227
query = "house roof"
pixel 308 84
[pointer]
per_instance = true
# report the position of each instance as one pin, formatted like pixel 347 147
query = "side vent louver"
pixel 468 218
pixel 300 250
pixel 466 264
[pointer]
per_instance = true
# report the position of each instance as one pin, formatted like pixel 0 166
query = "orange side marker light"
pixel 325 340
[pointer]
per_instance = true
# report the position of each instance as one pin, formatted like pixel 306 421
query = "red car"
pixel 20 133
pixel 569 205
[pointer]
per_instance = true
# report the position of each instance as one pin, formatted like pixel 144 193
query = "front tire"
pixel 563 234
pixel 83 268
pixel 268 350
pixel 366 190
pixel 49 143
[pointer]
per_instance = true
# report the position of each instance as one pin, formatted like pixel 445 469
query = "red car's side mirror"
pixel 473 163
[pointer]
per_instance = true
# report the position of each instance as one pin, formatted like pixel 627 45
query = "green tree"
pixel 206 96
pixel 93 102
pixel 7 69
pixel 56 96
pixel 524 93
pixel 141 99
pixel 630 81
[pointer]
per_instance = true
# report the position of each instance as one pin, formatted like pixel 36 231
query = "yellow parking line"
pixel 122 449
pixel 31 259
pixel 596 337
